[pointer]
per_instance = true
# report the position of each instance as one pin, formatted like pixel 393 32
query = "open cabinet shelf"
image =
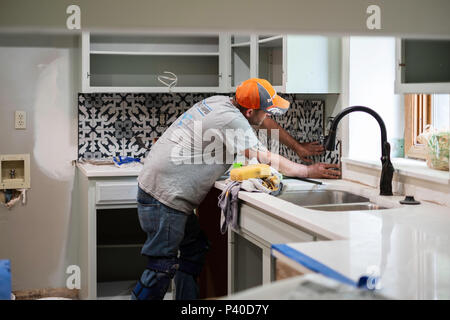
pixel 270 41
pixel 130 63
pixel 133 53
pixel 270 62
pixel 143 70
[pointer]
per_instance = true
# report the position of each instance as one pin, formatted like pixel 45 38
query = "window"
pixel 422 110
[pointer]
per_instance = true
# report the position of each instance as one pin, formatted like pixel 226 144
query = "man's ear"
pixel 249 112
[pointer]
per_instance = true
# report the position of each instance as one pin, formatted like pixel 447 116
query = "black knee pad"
pixel 164 269
pixel 163 265
pixel 156 292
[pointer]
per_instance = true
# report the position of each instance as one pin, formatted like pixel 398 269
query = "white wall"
pixel 39 75
pixel 371 75
pixel 371 84
pixel 441 111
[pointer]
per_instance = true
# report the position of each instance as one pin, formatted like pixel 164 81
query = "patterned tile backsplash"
pixel 305 122
pixel 108 123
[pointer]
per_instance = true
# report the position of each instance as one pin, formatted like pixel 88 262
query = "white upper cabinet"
pixel 422 66
pixel 209 63
pixel 292 64
pixel 313 64
pixel 132 63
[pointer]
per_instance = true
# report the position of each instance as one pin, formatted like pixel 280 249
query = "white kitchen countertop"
pixel 409 245
pixel 110 170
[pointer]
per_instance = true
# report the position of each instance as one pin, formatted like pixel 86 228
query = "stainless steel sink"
pixel 329 200
pixel 318 197
pixel 347 207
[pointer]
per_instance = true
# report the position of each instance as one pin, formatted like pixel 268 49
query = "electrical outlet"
pixel 20 120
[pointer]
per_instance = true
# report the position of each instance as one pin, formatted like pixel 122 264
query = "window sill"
pixel 405 167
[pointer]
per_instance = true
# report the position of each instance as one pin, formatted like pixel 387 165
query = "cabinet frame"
pixel 291 80
pixel 254 47
pixel 86 52
pixel 88 203
pixel 401 87
pixel 322 77
pixel 262 229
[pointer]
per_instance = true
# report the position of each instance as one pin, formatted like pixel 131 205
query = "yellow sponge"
pixel 250 171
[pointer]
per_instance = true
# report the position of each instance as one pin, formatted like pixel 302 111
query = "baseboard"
pixel 33 294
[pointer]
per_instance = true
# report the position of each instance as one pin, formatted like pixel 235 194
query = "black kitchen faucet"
pixel 387 169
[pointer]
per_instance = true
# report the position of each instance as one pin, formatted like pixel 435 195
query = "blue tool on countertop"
pixel 369 282
pixel 312 264
pixel 122 160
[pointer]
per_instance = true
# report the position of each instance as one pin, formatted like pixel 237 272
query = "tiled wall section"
pixel 305 122
pixel 109 122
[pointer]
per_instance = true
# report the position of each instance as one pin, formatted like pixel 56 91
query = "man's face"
pixel 256 117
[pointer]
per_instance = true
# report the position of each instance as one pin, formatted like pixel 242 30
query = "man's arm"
pixel 303 150
pixel 292 169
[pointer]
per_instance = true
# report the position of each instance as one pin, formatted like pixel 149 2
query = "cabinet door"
pixel 313 64
pixel 224 63
pixel 112 192
pixel 85 52
pixel 422 66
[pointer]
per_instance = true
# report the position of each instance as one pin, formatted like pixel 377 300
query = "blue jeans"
pixel 175 247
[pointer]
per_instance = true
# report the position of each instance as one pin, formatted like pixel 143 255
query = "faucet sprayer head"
pixel 330 142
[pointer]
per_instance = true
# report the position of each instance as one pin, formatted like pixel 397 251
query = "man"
pixel 182 167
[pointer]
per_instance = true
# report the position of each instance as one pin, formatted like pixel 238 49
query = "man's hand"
pixel 323 170
pixel 308 149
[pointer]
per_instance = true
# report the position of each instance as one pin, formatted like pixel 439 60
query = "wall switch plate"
pixel 20 120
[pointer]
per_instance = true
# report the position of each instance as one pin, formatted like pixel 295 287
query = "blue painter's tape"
pixel 312 264
pixel 5 280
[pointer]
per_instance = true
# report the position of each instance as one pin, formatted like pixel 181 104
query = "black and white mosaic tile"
pixel 305 122
pixel 108 123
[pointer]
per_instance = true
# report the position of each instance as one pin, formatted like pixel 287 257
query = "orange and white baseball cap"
pixel 259 94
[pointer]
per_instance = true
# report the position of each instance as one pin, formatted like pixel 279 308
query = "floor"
pixel 120 290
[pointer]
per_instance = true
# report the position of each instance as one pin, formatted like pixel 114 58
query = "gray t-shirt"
pixel 195 151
